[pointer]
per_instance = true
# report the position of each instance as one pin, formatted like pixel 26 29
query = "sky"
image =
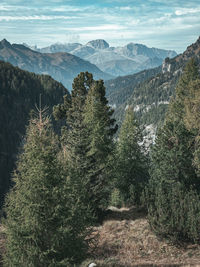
pixel 167 24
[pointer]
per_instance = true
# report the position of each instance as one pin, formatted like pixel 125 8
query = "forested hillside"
pixel 19 92
pixel 149 91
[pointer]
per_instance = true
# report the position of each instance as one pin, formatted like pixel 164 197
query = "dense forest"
pixel 20 91
pixel 64 181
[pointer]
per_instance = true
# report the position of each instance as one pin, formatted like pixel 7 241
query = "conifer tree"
pixel 173 153
pixel 192 118
pixel 74 134
pixel 173 192
pixel 100 130
pixel 46 222
pixel 87 138
pixel 131 167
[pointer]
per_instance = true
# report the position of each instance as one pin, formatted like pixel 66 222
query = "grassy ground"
pixel 125 239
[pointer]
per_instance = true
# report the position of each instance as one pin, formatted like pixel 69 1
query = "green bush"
pixel 174 211
pixel 116 198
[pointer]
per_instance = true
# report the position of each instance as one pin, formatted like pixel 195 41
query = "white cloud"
pixel 69 8
pixel 3 8
pixel 185 11
pixel 106 27
pixel 125 8
pixel 25 18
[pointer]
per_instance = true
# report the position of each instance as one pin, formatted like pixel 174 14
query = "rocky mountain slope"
pixel 149 91
pixel 117 61
pixel 62 66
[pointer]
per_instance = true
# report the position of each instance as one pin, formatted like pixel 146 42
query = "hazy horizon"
pixel 171 24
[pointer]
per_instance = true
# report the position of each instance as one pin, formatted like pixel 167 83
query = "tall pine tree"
pixel 131 162
pixel 100 128
pixel 74 134
pixel 46 221
pixel 173 192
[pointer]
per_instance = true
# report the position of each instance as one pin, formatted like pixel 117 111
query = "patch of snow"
pixel 113 106
pixel 163 102
pixel 149 135
pixel 138 107
pixel 127 106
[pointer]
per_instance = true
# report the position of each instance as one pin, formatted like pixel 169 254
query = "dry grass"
pixel 125 239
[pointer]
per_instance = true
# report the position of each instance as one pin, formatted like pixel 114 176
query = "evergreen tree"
pixel 46 222
pixel 192 118
pixel 87 138
pixel 19 91
pixel 173 153
pixel 131 167
pixel 100 130
pixel 173 192
pixel 74 134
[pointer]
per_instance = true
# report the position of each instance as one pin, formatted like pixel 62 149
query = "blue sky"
pixel 168 24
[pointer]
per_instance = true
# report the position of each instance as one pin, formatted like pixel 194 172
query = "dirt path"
pixel 125 239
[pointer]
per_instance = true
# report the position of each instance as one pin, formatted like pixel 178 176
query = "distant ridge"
pixel 117 61
pixel 62 66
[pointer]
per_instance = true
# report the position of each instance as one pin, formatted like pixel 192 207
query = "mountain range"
pixel 62 66
pixel 116 61
pixel 150 91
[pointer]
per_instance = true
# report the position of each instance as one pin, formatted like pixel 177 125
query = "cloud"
pixel 25 18
pixel 107 27
pixel 126 8
pixel 69 8
pixel 185 11
pixel 161 23
pixel 3 8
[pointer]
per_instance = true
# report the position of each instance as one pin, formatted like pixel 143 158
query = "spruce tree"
pixel 100 129
pixel 192 118
pixel 46 222
pixel 131 162
pixel 88 138
pixel 73 133
pixel 173 152
pixel 173 192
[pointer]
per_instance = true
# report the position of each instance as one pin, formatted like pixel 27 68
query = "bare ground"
pixel 125 239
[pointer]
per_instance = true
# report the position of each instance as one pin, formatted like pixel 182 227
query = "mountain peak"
pixel 194 45
pixel 98 44
pixel 4 43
